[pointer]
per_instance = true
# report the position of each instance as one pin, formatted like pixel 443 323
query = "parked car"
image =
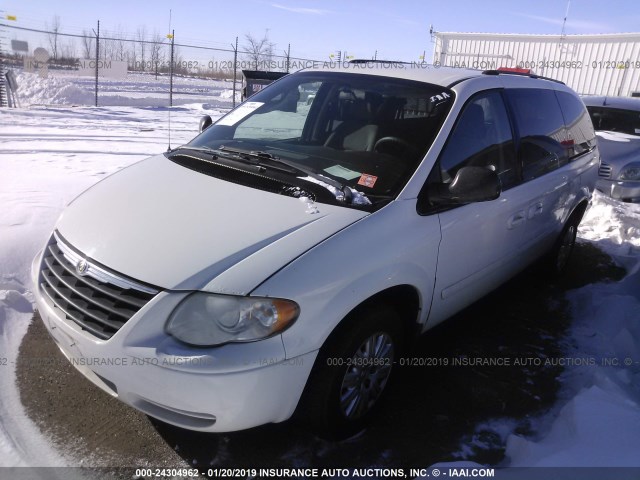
pixel 617 124
pixel 284 259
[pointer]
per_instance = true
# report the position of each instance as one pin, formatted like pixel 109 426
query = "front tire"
pixel 351 373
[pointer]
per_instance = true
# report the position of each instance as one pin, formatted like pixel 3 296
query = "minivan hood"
pixel 166 225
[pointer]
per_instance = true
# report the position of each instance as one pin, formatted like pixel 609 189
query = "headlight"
pixel 206 319
pixel 631 172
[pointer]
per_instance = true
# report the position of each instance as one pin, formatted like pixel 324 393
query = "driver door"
pixel 481 242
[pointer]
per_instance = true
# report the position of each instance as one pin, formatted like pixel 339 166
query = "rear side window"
pixel 542 131
pixel 580 135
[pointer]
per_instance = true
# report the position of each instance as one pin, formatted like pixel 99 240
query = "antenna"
pixel 169 146
pixel 170 86
pixel 564 22
pixel 563 33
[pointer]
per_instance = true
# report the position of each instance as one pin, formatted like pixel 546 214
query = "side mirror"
pixel 204 123
pixel 474 184
pixel 470 185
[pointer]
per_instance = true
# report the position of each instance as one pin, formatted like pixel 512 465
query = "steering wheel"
pixel 399 142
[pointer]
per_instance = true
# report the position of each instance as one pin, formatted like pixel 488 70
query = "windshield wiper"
pixel 258 157
pixel 197 149
pixel 218 154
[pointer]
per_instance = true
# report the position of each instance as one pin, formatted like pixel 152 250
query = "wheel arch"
pixel 316 407
pixel 404 299
pixel 579 209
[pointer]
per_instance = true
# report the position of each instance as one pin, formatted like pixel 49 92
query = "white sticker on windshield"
pixel 239 113
pixel 342 172
pixel 441 97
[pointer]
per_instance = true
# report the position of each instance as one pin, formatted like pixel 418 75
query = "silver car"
pixel 617 124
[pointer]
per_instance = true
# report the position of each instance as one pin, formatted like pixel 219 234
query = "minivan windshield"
pixel 363 133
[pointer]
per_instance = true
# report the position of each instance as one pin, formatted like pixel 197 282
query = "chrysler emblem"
pixel 82 266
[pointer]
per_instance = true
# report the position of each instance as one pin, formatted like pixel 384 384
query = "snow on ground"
pixel 599 425
pixel 47 157
pixel 596 422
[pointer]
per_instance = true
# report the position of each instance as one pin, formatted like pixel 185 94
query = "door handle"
pixel 517 219
pixel 535 209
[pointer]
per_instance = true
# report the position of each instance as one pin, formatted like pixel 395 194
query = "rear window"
pixel 581 137
pixel 615 120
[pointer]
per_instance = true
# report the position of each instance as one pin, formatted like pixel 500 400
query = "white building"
pixel 607 64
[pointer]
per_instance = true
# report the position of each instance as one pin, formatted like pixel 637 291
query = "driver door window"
pixel 482 137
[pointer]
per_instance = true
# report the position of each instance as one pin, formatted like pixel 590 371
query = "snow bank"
pixel 228 95
pixel 136 90
pixel 599 427
pixel 51 91
pixel 614 227
pixel 600 424
pixel 27 217
pixel 13 307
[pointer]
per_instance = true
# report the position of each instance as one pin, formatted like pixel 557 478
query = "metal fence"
pixel 107 67
pixel 603 64
pixel 4 93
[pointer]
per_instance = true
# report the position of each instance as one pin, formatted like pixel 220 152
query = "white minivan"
pixel 283 260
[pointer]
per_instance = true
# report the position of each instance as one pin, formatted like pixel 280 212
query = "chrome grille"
pixel 604 170
pixel 98 300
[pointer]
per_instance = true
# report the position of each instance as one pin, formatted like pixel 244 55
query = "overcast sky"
pixel 315 29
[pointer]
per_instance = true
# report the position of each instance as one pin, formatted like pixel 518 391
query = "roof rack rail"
pixel 384 62
pixel 520 74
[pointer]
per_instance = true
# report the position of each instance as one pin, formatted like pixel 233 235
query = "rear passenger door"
pixel 543 150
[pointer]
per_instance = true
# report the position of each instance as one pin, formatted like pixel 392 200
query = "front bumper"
pixel 233 387
pixel 624 191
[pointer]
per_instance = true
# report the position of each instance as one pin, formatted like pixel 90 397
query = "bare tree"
pixel 132 57
pixel 54 31
pixel 120 47
pixel 107 48
pixel 69 50
pixel 258 51
pixel 141 35
pixel 87 44
pixel 157 55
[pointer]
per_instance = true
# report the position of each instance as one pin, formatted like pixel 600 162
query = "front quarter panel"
pixel 394 246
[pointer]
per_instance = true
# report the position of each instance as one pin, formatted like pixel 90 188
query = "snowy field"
pixel 49 154
pixel 145 90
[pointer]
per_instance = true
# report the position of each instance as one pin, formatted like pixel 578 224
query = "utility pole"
pixel 288 56
pixel 97 58
pixel 235 61
pixel 173 32
pixel 4 88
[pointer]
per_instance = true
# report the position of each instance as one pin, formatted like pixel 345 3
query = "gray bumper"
pixel 624 191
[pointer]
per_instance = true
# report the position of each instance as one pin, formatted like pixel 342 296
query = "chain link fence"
pixel 4 90
pixel 104 67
